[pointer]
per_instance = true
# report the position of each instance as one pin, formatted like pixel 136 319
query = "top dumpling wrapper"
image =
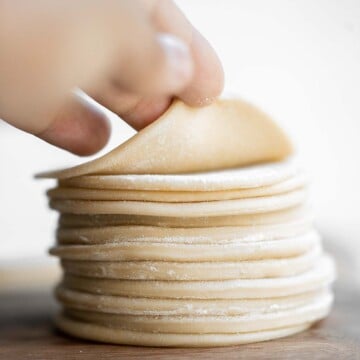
pixel 226 134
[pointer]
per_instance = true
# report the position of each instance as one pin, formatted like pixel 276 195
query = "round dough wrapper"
pixel 147 270
pixel 119 336
pixel 226 134
pixel 204 324
pixel 254 176
pixel 73 193
pixel 321 275
pixel 148 306
pixel 162 270
pixel 154 234
pixel 207 208
pixel 300 213
pixel 234 251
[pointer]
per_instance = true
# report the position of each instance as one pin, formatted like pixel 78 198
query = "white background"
pixel 298 60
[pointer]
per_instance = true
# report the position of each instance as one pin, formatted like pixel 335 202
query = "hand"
pixel 132 56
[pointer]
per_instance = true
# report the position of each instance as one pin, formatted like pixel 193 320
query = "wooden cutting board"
pixel 26 332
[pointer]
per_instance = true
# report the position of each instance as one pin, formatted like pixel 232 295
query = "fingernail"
pixel 179 59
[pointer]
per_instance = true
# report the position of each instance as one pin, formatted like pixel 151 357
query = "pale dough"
pixel 228 134
pixel 314 310
pixel 201 235
pixel 162 306
pixel 254 176
pixel 163 270
pixel 321 275
pixel 301 213
pixel 119 336
pixel 73 193
pixel 161 251
pixel 206 208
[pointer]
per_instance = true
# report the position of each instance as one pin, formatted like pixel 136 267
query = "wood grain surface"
pixel 27 332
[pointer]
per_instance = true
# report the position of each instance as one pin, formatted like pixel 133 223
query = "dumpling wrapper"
pixel 317 278
pixel 113 335
pixel 200 324
pixel 148 306
pixel 74 193
pixel 226 134
pixel 194 271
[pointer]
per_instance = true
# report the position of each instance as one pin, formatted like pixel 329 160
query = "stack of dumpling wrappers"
pixel 196 232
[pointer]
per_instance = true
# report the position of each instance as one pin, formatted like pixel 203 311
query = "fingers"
pixel 81 128
pixel 49 47
pixel 208 76
pixel 208 80
pixel 86 37
pixel 158 55
pixel 146 111
pixel 153 64
pixel 147 61
pixel 151 69
pixel 141 92
pixel 137 110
